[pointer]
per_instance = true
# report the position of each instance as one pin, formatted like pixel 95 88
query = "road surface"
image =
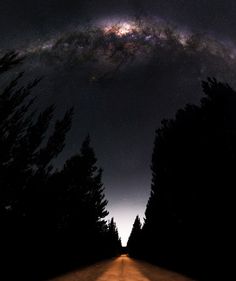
pixel 122 268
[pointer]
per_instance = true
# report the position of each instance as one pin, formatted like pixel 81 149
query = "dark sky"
pixel 42 16
pixel 121 113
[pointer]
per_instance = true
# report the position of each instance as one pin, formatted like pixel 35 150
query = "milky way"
pixel 119 41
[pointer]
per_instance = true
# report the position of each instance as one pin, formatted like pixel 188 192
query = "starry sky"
pixel 124 66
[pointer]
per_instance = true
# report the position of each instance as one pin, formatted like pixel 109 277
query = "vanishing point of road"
pixel 122 268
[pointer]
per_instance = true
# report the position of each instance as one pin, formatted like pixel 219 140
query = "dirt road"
pixel 122 268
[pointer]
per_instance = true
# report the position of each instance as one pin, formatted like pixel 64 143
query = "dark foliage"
pixel 113 240
pixel 82 206
pixel 9 60
pixel 189 215
pixel 51 221
pixel 134 241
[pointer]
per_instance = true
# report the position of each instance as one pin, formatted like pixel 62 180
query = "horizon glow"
pixel 124 215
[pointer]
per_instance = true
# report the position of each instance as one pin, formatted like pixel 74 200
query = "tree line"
pixel 188 224
pixel 51 220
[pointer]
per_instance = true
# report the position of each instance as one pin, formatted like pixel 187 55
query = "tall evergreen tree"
pixel 92 179
pixel 26 152
pixel 22 133
pixel 50 221
pixel 113 241
pixel 134 242
pixel 193 168
pixel 83 202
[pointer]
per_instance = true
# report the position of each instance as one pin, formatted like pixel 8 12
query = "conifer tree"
pixel 23 157
pixel 193 168
pixel 113 239
pixel 26 152
pixel 135 238
pixel 51 221
pixel 83 203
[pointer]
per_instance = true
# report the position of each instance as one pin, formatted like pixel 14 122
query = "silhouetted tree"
pixel 113 239
pixel 26 152
pixel 22 133
pixel 83 201
pixel 50 220
pixel 135 238
pixel 193 168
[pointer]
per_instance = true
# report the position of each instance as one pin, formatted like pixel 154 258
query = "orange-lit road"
pixel 122 268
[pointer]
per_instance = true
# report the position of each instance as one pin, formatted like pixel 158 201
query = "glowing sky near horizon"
pixel 124 214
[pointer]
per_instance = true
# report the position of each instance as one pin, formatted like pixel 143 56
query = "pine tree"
pixel 92 182
pixel 26 153
pixel 193 167
pixel 113 241
pixel 135 238
pixel 82 203
pixel 22 133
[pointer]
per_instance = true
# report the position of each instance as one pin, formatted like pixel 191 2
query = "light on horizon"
pixel 124 217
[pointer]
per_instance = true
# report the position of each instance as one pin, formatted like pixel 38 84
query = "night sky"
pixel 124 66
